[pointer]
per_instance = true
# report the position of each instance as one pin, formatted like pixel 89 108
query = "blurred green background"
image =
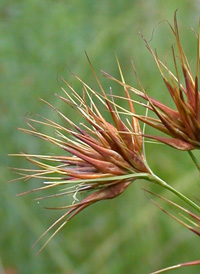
pixel 41 41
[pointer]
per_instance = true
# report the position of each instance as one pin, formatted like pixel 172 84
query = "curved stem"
pixel 194 159
pixel 177 266
pixel 154 178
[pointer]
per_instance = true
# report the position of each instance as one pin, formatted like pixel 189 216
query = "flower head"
pixel 98 156
pixel 182 123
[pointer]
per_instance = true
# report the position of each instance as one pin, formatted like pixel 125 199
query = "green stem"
pixel 194 159
pixel 157 180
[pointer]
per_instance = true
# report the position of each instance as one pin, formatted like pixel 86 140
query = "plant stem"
pixel 159 181
pixel 194 159
pixel 177 266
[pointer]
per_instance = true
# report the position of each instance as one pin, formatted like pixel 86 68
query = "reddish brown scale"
pixel 182 124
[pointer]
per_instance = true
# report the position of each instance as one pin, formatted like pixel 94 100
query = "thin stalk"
pixel 194 159
pixel 176 266
pixel 159 181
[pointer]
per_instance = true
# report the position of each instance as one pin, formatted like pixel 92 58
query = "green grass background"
pixel 41 41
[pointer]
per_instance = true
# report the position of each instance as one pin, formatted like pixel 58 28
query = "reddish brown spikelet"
pixel 104 157
pixel 182 124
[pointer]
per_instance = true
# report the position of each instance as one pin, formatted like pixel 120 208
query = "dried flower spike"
pixel 104 158
pixel 182 124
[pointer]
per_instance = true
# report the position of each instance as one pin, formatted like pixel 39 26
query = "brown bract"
pixel 100 156
pixel 182 123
